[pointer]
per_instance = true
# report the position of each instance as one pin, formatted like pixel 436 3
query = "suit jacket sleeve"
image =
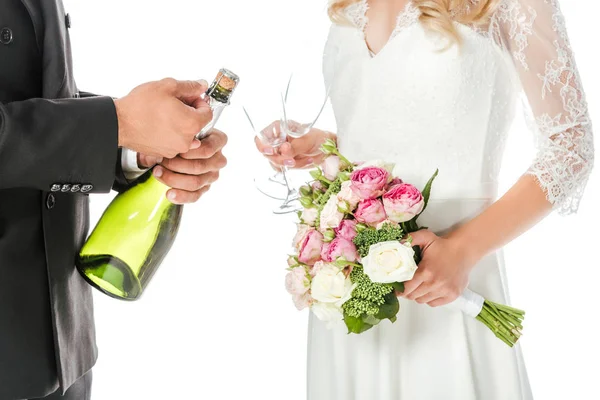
pixel 66 141
pixel 121 182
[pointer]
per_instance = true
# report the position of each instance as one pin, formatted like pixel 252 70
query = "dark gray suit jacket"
pixel 54 151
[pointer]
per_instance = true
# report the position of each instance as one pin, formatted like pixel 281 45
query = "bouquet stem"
pixel 504 321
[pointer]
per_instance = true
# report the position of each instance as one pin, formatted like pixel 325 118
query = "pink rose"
pixel 310 248
pixel 403 202
pixel 318 186
pixel 296 281
pixel 369 182
pixel 331 167
pixel 340 247
pixel 395 181
pixel 347 194
pixel 370 212
pixel 302 301
pixel 303 230
pixel 347 229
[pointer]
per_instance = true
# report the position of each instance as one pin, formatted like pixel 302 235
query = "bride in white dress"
pixel 434 84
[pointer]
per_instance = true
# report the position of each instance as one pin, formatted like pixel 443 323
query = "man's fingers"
pixel 196 166
pixel 145 161
pixel 177 196
pixel 209 146
pixel 190 183
pixel 187 91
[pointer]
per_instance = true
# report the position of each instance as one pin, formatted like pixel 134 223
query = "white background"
pixel 216 323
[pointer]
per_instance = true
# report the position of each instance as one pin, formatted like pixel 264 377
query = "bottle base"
pixel 111 276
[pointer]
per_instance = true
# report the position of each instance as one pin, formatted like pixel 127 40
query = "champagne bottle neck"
pixel 152 185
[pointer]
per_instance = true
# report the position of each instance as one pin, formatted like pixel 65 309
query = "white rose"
pixel 348 195
pixel 309 216
pixel 331 217
pixel 389 167
pixel 328 312
pixel 330 285
pixel 389 262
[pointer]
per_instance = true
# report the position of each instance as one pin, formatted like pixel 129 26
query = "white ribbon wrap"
pixel 469 303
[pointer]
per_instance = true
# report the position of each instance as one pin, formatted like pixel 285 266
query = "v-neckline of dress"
pixel 406 17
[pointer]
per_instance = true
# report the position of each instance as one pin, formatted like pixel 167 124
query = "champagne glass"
pixel 273 186
pixel 300 112
pixel 270 133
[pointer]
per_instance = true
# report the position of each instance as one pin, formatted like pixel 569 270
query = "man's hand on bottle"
pixel 190 174
pixel 162 118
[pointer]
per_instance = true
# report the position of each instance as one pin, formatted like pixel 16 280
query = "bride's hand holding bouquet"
pixel 359 244
pixel 443 272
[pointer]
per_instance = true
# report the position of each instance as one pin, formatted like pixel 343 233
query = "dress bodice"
pixel 426 108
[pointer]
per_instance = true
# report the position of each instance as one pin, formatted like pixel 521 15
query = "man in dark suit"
pixel 57 145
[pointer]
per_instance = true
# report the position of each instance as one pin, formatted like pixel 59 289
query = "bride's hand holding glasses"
pixel 302 152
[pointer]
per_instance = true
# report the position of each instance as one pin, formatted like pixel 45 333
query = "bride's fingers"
pixel 411 286
pixel 442 301
pixel 428 297
pixel 423 290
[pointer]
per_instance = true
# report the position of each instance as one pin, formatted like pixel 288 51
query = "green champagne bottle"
pixel 138 228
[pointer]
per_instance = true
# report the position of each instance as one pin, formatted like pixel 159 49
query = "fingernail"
pixel 289 163
pixel 311 161
pixel 159 160
pixel 158 171
pixel 171 195
pixel 268 151
pixel 195 144
pixel 203 82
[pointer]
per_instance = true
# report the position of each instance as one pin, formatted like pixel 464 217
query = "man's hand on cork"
pixel 161 118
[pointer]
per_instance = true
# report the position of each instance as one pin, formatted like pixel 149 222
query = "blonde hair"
pixel 436 15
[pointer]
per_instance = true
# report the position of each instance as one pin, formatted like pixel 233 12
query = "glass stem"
pixel 290 190
pixel 277 177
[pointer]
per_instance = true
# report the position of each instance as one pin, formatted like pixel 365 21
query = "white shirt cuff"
pixel 129 163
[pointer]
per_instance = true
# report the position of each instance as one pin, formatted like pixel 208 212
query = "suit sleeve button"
pixel 86 188
pixel 6 36
pixel 50 201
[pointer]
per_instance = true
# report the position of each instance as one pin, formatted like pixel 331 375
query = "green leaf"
pixel 418 255
pixel 427 192
pixel 356 325
pixel 370 319
pixel 390 308
pixel 398 287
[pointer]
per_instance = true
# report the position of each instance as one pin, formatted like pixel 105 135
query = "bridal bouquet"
pixel 353 249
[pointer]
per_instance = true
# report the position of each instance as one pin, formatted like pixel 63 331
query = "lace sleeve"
pixel 534 33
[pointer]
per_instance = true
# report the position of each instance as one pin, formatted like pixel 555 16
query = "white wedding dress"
pixel 452 110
